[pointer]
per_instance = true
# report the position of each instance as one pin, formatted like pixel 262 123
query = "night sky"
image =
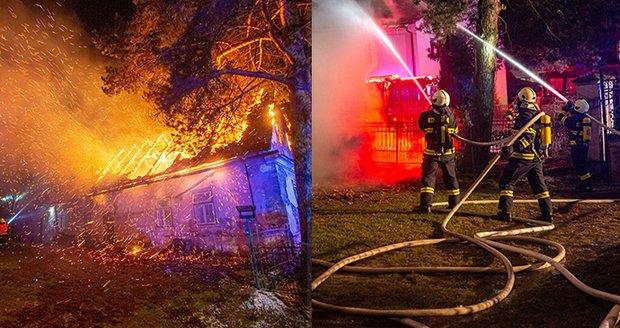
pixel 99 14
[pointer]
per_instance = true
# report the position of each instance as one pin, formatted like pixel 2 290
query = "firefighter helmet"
pixel 441 98
pixel 527 94
pixel 581 106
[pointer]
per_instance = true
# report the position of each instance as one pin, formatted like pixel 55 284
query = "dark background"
pixel 99 14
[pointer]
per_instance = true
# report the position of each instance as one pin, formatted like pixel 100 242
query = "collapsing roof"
pixel 267 130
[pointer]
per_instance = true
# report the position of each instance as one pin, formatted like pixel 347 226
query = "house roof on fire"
pixel 257 137
pixel 256 140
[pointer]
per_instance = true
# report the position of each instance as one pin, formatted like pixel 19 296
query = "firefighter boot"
pixel 503 216
pixel 426 202
pixel 546 210
pixel 424 209
pixel 453 200
pixel 547 218
pixel 584 186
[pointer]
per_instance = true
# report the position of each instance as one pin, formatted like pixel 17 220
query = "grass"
pixel 349 221
pixel 56 287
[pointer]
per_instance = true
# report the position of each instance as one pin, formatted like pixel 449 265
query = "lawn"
pixel 347 221
pixel 75 287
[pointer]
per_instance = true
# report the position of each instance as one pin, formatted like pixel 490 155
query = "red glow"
pixel 391 149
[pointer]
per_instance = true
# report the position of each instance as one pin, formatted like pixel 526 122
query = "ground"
pixel 351 220
pixel 55 286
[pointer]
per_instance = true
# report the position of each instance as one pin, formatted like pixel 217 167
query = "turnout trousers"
pixel 579 154
pixel 513 172
pixel 429 171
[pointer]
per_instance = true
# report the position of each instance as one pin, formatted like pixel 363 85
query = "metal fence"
pixel 402 144
pixel 277 263
pixel 399 144
pixel 559 140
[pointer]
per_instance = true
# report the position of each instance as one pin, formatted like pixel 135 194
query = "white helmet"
pixel 581 106
pixel 527 94
pixel 441 98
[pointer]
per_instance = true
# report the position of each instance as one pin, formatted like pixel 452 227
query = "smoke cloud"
pixel 343 54
pixel 56 125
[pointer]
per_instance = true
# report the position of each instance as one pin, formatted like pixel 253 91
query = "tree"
pixel 204 65
pixel 558 33
pixel 484 80
pixel 441 18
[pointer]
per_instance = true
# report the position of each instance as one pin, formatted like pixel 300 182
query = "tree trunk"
pixel 455 62
pixel 300 86
pixel 301 90
pixel 484 81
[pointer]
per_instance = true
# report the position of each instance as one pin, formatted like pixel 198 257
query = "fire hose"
pixel 482 143
pixel 612 130
pixel 489 241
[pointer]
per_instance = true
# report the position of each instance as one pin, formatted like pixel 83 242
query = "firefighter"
pixel 4 232
pixel 580 133
pixel 525 160
pixel 438 123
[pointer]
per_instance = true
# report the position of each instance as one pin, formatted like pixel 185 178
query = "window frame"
pixel 201 201
pixel 163 206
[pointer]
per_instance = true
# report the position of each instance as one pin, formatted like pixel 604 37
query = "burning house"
pixel 395 141
pixel 195 200
pixel 191 200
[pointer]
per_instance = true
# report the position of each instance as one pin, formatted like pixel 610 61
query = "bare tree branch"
pixel 239 46
pixel 241 72
pixel 273 31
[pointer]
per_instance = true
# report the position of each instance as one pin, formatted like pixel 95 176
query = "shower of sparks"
pixel 57 124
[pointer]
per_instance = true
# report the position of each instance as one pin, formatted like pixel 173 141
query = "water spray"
pixel 19 212
pixel 393 50
pixel 514 62
pixel 386 41
pixel 531 74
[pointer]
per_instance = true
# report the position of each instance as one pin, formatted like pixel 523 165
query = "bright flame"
pixel 147 159
pixel 514 62
pixel 135 250
pixel 272 114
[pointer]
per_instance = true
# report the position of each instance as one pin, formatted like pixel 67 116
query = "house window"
pixel 164 213
pixel 204 211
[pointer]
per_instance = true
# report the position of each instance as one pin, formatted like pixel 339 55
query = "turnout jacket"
pixel 528 145
pixel 438 124
pixel 579 126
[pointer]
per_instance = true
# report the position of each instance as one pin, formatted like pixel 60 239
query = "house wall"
pixel 130 216
pixel 288 191
pixel 415 56
pixel 590 93
pixel 276 215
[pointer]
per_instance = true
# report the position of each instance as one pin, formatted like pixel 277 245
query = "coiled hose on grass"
pixel 490 241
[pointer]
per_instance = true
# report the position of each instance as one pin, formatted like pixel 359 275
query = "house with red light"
pixel 395 141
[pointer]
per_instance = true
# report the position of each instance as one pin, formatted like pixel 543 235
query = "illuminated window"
pixel 164 213
pixel 204 211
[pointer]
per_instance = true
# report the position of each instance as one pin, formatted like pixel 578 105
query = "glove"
pixel 506 151
pixel 569 105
